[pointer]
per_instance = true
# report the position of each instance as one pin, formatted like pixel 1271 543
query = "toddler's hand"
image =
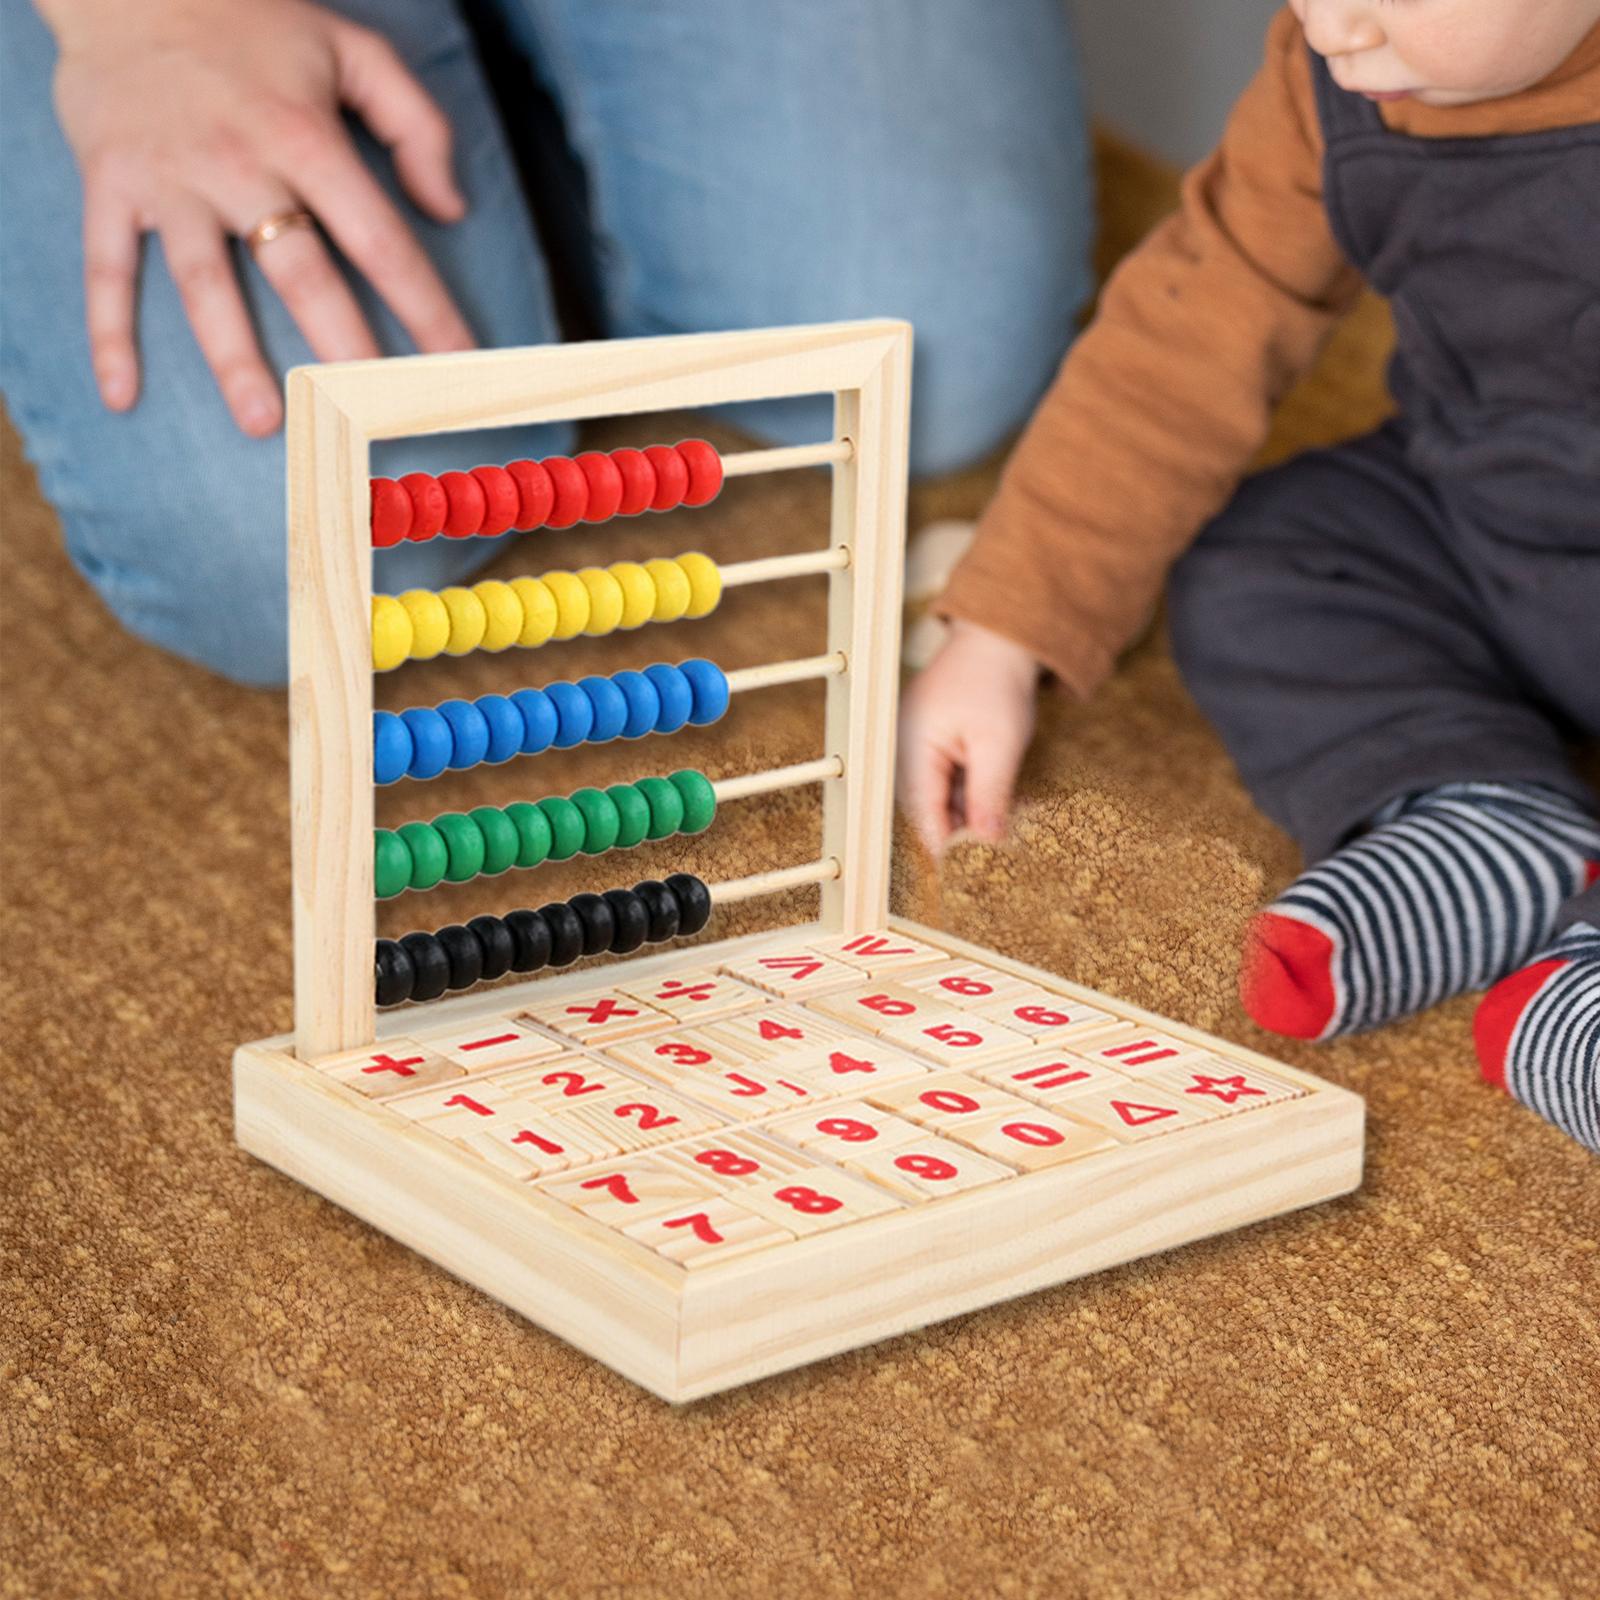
pixel 965 723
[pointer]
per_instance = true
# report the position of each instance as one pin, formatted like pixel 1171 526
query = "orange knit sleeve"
pixel 1167 395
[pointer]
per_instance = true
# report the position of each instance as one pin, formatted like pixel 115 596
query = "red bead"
pixel 500 498
pixel 705 471
pixel 536 494
pixel 429 504
pixel 391 512
pixel 605 485
pixel 672 477
pixel 467 504
pixel 572 491
pixel 638 481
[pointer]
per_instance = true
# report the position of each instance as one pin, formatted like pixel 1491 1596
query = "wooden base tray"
pixel 725 1161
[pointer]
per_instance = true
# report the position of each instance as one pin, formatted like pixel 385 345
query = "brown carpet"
pixel 217 1384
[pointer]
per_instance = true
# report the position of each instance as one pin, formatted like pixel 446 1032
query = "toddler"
pixel 1396 637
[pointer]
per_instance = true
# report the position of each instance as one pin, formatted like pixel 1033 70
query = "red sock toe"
pixel 1499 1012
pixel 1286 976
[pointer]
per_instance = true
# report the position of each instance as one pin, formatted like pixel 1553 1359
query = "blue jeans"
pixel 791 161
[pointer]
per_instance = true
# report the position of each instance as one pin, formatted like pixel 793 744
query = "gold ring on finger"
pixel 269 228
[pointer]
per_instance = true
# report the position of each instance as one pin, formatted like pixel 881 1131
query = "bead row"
pixel 491 615
pixel 489 840
pixel 424 740
pixel 421 966
pixel 554 493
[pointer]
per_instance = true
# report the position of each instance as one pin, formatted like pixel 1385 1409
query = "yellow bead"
pixel 502 612
pixel 538 611
pixel 468 620
pixel 605 600
pixel 638 593
pixel 391 633
pixel 572 603
pixel 672 589
pixel 705 583
pixel 430 623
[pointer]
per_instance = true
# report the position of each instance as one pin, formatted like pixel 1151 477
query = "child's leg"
pixel 1330 625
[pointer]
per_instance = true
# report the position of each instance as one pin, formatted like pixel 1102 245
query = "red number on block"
pixel 728 1162
pixel 616 1185
pixel 956 1038
pixel 948 1100
pixel 886 1005
pixel 575 1083
pixel 930 1167
pixel 699 1224
pixel 649 1116
pixel 956 984
pixel 750 1085
pixel 1033 1133
pixel 686 1055
pixel 768 1029
pixel 470 1104
pixel 808 1200
pixel 528 1136
pixel 850 1129
pixel 840 1062
pixel 1043 1016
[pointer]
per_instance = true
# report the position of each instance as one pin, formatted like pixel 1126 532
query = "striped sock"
pixel 1538 1033
pixel 1448 891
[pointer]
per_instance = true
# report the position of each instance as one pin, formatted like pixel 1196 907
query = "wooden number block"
pixel 671 1057
pixel 735 1159
pixel 848 1125
pixel 746 1093
pixel 571 1080
pixel 699 1234
pixel 499 1042
pixel 1031 1139
pixel 599 1017
pixel 852 1066
pixel 695 996
pixel 966 985
pixel 1131 1047
pixel 926 1168
pixel 958 1038
pixel 878 953
pixel 1138 1111
pixel 453 1108
pixel 1212 1081
pixel 625 1192
pixel 794 975
pixel 1048 1075
pixel 878 1007
pixel 945 1101
pixel 637 1119
pixel 393 1068
pixel 775 1032
pixel 817 1198
pixel 541 1144
pixel 1045 1018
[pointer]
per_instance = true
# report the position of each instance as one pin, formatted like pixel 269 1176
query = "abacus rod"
pixel 791 777
pixel 770 567
pixel 759 883
pixel 745 462
pixel 776 672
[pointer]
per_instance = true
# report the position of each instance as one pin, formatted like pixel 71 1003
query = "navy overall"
pixel 1422 606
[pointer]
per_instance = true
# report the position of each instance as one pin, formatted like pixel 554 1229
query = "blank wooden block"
pixel 746 1093
pixel 816 1199
pixel 793 975
pixel 701 1234
pixel 945 1100
pixel 775 1031
pixel 877 1007
pixel 734 1159
pixel 1140 1111
pixel 1047 1075
pixel 848 1125
pixel 1031 1139
pixel 695 996
pixel 636 1119
pixel 670 1057
pixel 393 1068
pixel 852 1066
pixel 878 953
pixel 1211 1081
pixel 499 1042
pixel 1045 1018
pixel 627 1191
pixel 928 1168
pixel 1131 1046
pixel 600 1016
pixel 957 1039
pixel 966 985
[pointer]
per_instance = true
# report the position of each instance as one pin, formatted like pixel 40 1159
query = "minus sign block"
pixel 499 1043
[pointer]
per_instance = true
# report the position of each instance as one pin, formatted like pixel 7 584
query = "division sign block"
pixel 878 953
pixel 389 1069
pixel 796 975
pixel 701 1234
pixel 627 1191
pixel 695 996
pixel 816 1199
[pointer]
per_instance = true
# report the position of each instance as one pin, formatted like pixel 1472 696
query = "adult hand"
pixel 965 723
pixel 200 119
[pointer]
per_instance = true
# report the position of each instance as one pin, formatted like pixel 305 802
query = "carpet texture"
pixel 217 1384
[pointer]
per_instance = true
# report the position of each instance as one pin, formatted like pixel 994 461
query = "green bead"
pixel 391 867
pixel 699 799
pixel 500 841
pixel 566 826
pixel 533 832
pixel 666 806
pixel 601 824
pixel 465 843
pixel 633 815
pixel 429 855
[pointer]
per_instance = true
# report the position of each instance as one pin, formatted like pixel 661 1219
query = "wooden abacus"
pixel 740 1155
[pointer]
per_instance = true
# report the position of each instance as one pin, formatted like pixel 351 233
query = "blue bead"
pixel 574 714
pixel 505 727
pixel 431 741
pixel 391 747
pixel 469 732
pixel 644 703
pixel 538 720
pixel 709 684
pixel 677 698
pixel 610 708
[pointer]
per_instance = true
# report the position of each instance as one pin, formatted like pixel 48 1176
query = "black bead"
pixel 566 933
pixel 694 901
pixel 429 964
pixel 661 905
pixel 530 940
pixel 598 924
pixel 631 918
pixel 394 973
pixel 494 939
pixel 464 954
